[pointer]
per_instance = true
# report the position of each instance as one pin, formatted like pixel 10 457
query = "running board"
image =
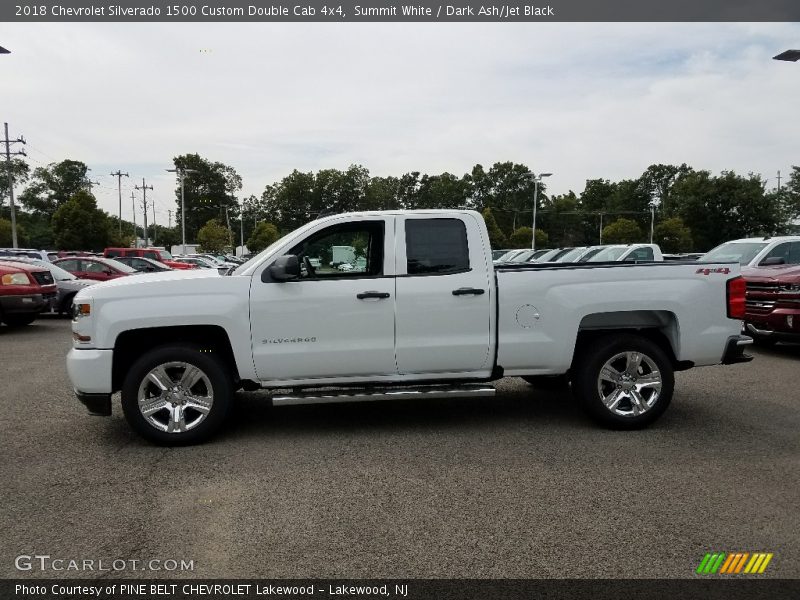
pixel 375 394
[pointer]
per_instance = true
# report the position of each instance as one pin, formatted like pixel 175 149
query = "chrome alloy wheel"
pixel 629 384
pixel 175 397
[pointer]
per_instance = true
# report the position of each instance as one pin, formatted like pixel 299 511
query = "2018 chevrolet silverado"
pixel 424 315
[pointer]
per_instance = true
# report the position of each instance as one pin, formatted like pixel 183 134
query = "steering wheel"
pixel 309 267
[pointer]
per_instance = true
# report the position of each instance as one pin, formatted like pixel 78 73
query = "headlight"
pixel 16 279
pixel 81 310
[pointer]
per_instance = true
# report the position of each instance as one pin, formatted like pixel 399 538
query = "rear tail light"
pixel 736 298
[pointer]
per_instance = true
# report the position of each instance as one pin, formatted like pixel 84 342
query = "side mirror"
pixel 286 268
pixel 773 260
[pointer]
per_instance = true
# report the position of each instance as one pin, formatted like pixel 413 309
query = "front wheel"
pixel 623 381
pixel 19 320
pixel 176 395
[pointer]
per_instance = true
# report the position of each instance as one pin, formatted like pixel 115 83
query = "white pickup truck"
pixel 427 315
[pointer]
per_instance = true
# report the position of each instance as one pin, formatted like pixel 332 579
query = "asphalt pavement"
pixel 517 486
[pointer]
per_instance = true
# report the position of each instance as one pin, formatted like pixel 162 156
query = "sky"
pixel 579 100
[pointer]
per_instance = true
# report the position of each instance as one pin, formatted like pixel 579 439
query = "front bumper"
pixel 23 304
pixel 734 350
pixel 90 370
pixel 771 334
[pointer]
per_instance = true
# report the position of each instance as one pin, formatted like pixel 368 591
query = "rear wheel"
pixel 177 395
pixel 623 381
pixel 19 320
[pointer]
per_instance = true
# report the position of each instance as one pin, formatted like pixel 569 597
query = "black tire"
pixel 548 382
pixel 587 383
pixel 66 305
pixel 19 320
pixel 762 342
pixel 216 373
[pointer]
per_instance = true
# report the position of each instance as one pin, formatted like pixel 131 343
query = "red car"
pixel 158 254
pixel 773 303
pixel 25 291
pixel 99 269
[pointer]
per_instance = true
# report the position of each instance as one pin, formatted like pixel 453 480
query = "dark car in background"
pixel 158 254
pixel 142 264
pixel 96 268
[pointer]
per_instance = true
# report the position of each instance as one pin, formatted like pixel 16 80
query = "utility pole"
pixel 241 233
pixel 144 189
pixel 155 227
pixel 181 172
pixel 779 178
pixel 169 219
pixel 119 175
pixel 135 233
pixel 230 232
pixel 9 154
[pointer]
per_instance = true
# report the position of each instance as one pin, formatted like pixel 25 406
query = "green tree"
pixel 79 225
pixel 19 171
pixel 521 238
pixel 496 236
pixel 726 207
pixel 5 233
pixel 54 185
pixel 208 192
pixel 673 236
pixel 263 235
pixel 658 180
pixel 622 231
pixel 792 194
pixel 213 236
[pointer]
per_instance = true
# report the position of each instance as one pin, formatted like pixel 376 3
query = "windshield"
pixel 118 265
pixel 165 255
pixel 589 254
pixel 571 255
pixel 523 256
pixel 608 254
pixel 58 273
pixel 741 252
pixel 240 269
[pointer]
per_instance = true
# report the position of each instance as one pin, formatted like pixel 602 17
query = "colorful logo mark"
pixel 733 563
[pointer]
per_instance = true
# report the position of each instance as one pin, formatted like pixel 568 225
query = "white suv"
pixel 755 252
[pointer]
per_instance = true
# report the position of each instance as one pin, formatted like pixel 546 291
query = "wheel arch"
pixel 131 344
pixel 659 326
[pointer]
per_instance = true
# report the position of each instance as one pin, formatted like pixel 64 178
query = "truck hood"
pixel 773 273
pixel 146 283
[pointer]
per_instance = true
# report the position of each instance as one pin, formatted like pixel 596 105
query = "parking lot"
pixel 521 485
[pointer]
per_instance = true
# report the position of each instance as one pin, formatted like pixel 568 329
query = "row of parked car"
pixel 36 281
pixel 770 266
pixel 33 281
pixel 580 254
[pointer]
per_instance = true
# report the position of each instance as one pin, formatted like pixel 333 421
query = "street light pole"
pixel 181 171
pixel 241 231
pixel 536 182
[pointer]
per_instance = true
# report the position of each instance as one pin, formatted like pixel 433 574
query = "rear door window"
pixel 436 246
pixel 641 254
